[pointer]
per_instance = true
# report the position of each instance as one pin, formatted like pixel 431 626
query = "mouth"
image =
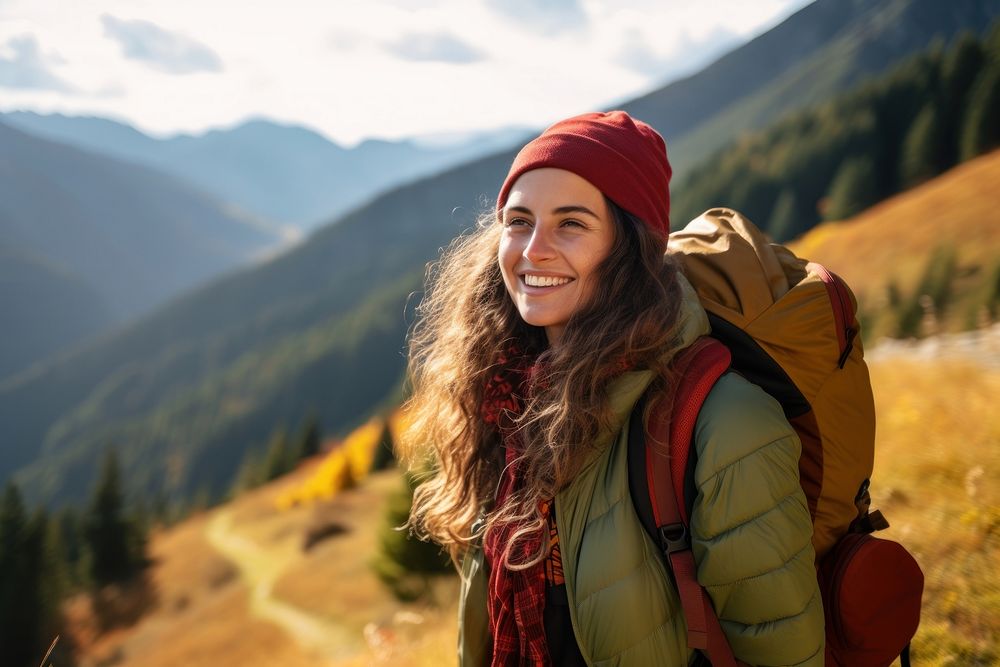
pixel 539 281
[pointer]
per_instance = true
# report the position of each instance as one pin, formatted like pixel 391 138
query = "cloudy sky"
pixel 353 69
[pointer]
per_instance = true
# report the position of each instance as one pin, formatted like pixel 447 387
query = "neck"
pixel 554 334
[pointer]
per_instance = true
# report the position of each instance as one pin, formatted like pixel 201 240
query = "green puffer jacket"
pixel 751 536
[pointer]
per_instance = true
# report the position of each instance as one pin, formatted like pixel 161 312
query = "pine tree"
pixel 22 615
pixel 933 293
pixel 853 189
pixel 981 127
pixel 992 43
pixel 53 576
pixel 961 67
pixel 403 563
pixel 310 438
pixel 12 566
pixel 108 533
pixel 938 278
pixel 923 147
pixel 785 220
pixel 250 473
pixel 70 542
pixel 385 451
pixel 280 458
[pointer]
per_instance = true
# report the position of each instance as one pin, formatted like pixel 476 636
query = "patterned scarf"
pixel 516 598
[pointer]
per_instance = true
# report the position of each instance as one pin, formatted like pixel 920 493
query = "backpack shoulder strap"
pixel 671 425
pixel 670 434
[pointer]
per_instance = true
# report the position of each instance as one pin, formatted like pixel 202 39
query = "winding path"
pixel 260 567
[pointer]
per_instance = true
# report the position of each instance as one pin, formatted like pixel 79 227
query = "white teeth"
pixel 544 281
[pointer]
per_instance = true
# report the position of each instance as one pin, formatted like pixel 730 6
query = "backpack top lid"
pixel 737 271
pixel 792 328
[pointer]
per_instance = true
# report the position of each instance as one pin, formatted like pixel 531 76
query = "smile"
pixel 545 281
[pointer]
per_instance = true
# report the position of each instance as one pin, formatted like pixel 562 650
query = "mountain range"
pixel 187 391
pixel 91 241
pixel 284 174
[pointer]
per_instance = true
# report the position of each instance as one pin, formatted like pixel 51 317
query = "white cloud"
pixel 161 49
pixel 542 17
pixel 335 66
pixel 434 47
pixel 636 53
pixel 27 68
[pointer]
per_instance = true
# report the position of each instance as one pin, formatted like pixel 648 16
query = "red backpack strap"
pixel 668 450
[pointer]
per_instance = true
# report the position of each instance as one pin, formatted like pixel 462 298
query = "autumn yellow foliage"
pixel 343 467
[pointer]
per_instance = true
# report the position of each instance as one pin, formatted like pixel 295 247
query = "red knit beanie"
pixel 624 158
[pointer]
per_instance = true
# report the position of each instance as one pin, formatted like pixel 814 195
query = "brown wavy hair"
pixel 466 322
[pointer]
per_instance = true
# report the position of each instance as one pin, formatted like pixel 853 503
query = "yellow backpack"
pixel 789 326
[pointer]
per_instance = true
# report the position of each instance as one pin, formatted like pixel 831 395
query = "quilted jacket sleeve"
pixel 751 529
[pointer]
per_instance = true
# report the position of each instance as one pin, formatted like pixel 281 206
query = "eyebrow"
pixel 572 208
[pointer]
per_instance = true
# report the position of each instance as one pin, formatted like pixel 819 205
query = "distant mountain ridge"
pixel 323 325
pixel 286 174
pixel 120 238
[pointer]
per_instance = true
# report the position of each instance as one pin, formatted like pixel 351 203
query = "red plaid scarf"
pixel 517 598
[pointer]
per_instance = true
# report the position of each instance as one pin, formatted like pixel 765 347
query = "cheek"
pixel 591 265
pixel 505 260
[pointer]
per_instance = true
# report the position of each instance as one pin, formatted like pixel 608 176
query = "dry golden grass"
pixel 894 240
pixel 200 619
pixel 937 478
pixel 333 579
pixel 204 615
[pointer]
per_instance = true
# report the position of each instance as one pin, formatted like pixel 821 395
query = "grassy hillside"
pixel 885 252
pixel 937 479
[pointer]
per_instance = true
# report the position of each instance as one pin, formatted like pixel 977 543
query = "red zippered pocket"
pixel 871 596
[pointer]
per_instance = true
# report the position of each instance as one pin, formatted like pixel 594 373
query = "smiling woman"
pixel 542 331
pixel 549 259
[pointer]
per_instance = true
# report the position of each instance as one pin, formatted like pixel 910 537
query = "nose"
pixel 540 246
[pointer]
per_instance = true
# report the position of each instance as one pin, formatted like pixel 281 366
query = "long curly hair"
pixel 465 324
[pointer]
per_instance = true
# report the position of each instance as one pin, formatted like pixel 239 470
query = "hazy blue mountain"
pixel 284 173
pixel 192 387
pixel 128 235
pixel 95 134
pixel 45 308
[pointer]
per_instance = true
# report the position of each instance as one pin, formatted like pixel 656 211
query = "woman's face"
pixel 556 231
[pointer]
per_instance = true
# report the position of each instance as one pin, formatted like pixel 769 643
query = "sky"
pixel 356 69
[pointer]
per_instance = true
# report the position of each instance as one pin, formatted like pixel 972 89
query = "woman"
pixel 540 333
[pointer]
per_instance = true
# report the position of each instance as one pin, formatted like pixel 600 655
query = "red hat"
pixel 624 158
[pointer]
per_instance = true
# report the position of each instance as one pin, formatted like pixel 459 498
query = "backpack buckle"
pixel 674 537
